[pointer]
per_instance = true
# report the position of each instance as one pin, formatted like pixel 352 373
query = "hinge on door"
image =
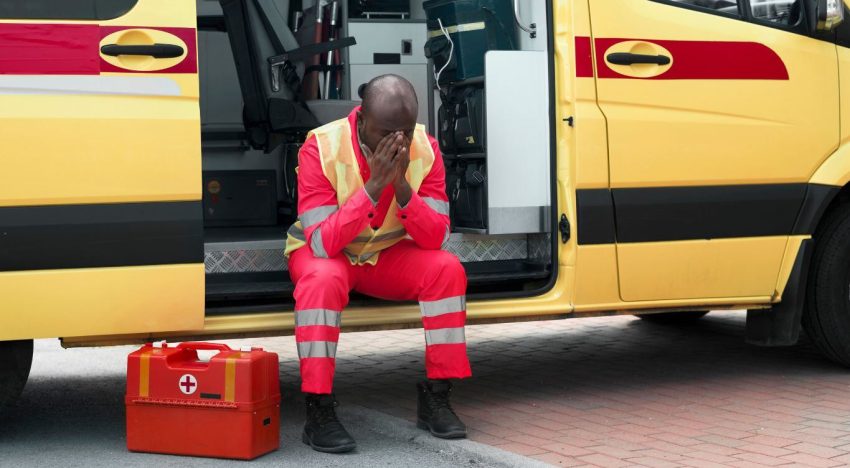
pixel 564 227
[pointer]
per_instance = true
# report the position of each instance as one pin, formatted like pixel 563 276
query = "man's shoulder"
pixel 331 127
pixel 310 144
pixel 435 145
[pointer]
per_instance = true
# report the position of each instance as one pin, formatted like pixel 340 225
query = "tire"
pixel 674 317
pixel 826 318
pixel 15 362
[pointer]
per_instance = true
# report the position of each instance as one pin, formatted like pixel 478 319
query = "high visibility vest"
pixel 340 166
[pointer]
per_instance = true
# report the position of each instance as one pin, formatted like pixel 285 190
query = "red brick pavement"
pixel 617 391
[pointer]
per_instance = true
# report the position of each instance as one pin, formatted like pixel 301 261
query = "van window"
pixel 779 12
pixel 65 9
pixel 729 7
pixel 842 34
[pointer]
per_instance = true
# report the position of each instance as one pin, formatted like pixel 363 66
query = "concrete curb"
pixel 465 452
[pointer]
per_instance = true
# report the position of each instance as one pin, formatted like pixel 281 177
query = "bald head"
pixel 389 94
pixel 389 105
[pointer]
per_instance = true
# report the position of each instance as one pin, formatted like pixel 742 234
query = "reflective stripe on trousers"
pixel 444 320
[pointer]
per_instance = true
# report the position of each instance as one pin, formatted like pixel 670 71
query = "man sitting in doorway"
pixel 372 217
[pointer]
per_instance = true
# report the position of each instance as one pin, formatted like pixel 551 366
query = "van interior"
pixel 271 70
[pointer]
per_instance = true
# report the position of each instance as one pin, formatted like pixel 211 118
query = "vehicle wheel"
pixel 15 362
pixel 674 317
pixel 827 315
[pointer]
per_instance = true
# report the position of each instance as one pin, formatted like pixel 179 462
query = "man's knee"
pixel 325 273
pixel 444 266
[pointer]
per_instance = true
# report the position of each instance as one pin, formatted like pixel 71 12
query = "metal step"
pixel 261 250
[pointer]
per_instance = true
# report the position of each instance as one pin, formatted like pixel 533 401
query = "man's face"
pixel 374 128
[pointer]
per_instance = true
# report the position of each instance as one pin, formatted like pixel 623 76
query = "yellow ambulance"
pixel 652 157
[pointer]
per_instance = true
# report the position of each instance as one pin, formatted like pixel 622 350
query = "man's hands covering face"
pixel 388 165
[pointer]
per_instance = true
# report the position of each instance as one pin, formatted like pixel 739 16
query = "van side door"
pixel 718 113
pixel 100 213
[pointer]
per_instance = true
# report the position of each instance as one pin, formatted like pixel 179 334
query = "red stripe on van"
pixel 49 49
pixel 584 57
pixel 73 49
pixel 706 60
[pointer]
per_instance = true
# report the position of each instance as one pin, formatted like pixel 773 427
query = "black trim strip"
pixel 595 216
pixel 108 235
pixel 682 213
pixel 818 198
pixel 658 214
pixel 841 34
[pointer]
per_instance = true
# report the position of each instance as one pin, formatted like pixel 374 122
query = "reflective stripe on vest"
pixel 340 166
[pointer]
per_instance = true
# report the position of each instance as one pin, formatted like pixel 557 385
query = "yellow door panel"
pixel 704 269
pixel 717 117
pixel 836 169
pixel 844 73
pixel 95 153
pixel 740 103
pixel 100 192
pixel 97 301
pixel 596 282
pixel 79 126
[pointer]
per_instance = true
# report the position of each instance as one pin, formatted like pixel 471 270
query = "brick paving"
pixel 616 391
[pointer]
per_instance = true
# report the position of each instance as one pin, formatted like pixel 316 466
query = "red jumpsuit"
pixel 410 270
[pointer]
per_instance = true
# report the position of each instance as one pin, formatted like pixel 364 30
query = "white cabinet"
pixel 387 37
pixel 396 47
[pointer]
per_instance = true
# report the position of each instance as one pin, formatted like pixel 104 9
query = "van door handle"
pixel 159 51
pixel 624 58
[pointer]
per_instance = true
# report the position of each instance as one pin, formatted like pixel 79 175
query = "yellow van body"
pixel 745 119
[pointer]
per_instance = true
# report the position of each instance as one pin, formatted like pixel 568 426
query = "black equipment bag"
pixel 466 184
pixel 474 27
pixel 462 129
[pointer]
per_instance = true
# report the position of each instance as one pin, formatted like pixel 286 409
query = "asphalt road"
pixel 72 414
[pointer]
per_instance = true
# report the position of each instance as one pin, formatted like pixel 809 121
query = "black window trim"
pixel 841 35
pixel 745 14
pixel 678 4
pixel 61 10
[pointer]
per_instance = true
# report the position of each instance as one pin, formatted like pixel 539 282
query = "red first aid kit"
pixel 227 407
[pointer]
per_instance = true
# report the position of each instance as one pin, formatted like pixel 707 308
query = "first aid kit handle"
pixel 204 346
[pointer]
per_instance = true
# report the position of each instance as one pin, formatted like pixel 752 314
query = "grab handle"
pixel 531 29
pixel 197 345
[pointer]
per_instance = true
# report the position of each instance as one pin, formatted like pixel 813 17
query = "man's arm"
pixel 426 215
pixel 327 227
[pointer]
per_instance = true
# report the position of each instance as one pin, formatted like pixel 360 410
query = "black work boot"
pixel 434 411
pixel 323 431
